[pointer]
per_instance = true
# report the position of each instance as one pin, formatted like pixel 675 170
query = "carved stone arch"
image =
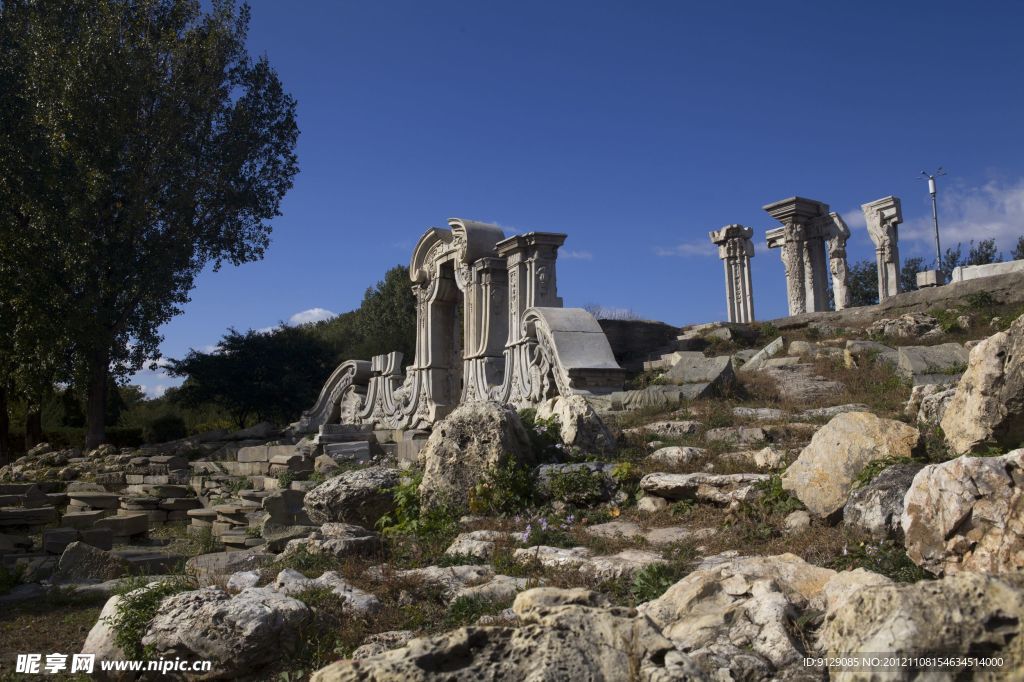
pixel 475 240
pixel 351 375
pixel 421 267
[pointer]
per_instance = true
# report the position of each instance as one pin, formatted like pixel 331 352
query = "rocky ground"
pixel 753 499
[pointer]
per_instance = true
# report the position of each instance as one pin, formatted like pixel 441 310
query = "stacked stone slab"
pixel 162 504
pixel 233 522
pixel 157 470
pixel 735 248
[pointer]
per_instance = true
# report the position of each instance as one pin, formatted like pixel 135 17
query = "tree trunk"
pixel 96 400
pixel 5 424
pixel 33 427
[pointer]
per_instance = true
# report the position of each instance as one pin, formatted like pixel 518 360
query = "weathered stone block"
pixel 56 539
pixel 20 516
pixel 125 525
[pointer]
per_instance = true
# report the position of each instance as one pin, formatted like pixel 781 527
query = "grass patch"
pixel 467 610
pixel 653 581
pixel 873 469
pixel 885 557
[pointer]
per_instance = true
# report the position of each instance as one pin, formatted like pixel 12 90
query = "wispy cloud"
pixel 151 391
pixel 994 210
pixel 854 218
pixel 576 255
pixel 700 249
pixel 311 315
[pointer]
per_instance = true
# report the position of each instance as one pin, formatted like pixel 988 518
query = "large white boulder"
pixel 474 439
pixel 824 473
pixel 958 616
pixel 359 496
pixel 735 616
pixel 239 634
pixel 579 425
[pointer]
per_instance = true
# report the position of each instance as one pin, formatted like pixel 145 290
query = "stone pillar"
pixel 836 235
pixel 883 217
pixel 735 248
pixel 532 277
pixel 486 331
pixel 802 242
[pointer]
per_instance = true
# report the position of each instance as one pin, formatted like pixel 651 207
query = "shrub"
pixel 653 580
pixel 578 486
pixel 505 490
pixel 9 578
pixel 545 435
pixel 775 499
pixel 308 564
pixel 166 427
pixel 408 518
pixel 871 471
pixel 139 603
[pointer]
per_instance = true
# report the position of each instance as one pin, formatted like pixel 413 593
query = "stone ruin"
pixel 883 216
pixel 812 242
pixel 735 248
pixel 518 345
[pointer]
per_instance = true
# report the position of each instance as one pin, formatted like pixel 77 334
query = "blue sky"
pixel 634 127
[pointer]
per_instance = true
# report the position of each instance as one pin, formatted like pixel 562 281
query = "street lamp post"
pixel 935 212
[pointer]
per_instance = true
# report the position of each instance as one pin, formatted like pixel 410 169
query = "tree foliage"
pixel 862 280
pixel 267 376
pixel 1018 249
pixel 276 375
pixel 908 273
pixel 983 253
pixel 142 145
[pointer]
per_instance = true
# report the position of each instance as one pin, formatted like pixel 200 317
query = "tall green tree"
pixel 983 253
pixel 166 146
pixel 386 319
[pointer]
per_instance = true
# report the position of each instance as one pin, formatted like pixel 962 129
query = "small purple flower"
pixel 543 523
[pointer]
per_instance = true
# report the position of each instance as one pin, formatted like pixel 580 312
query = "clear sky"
pixel 634 127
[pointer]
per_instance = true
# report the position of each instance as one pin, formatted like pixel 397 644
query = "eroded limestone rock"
pixel 358 496
pixel 961 615
pixel 877 507
pixel 239 634
pixel 566 634
pixel 824 473
pixel 988 405
pixel 967 515
pixel 474 439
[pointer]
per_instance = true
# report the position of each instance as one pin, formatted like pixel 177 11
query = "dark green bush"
pixel 166 427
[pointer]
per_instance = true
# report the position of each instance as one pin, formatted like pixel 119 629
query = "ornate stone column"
pixel 802 243
pixel 837 233
pixel 532 282
pixel 883 217
pixel 487 329
pixel 735 248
